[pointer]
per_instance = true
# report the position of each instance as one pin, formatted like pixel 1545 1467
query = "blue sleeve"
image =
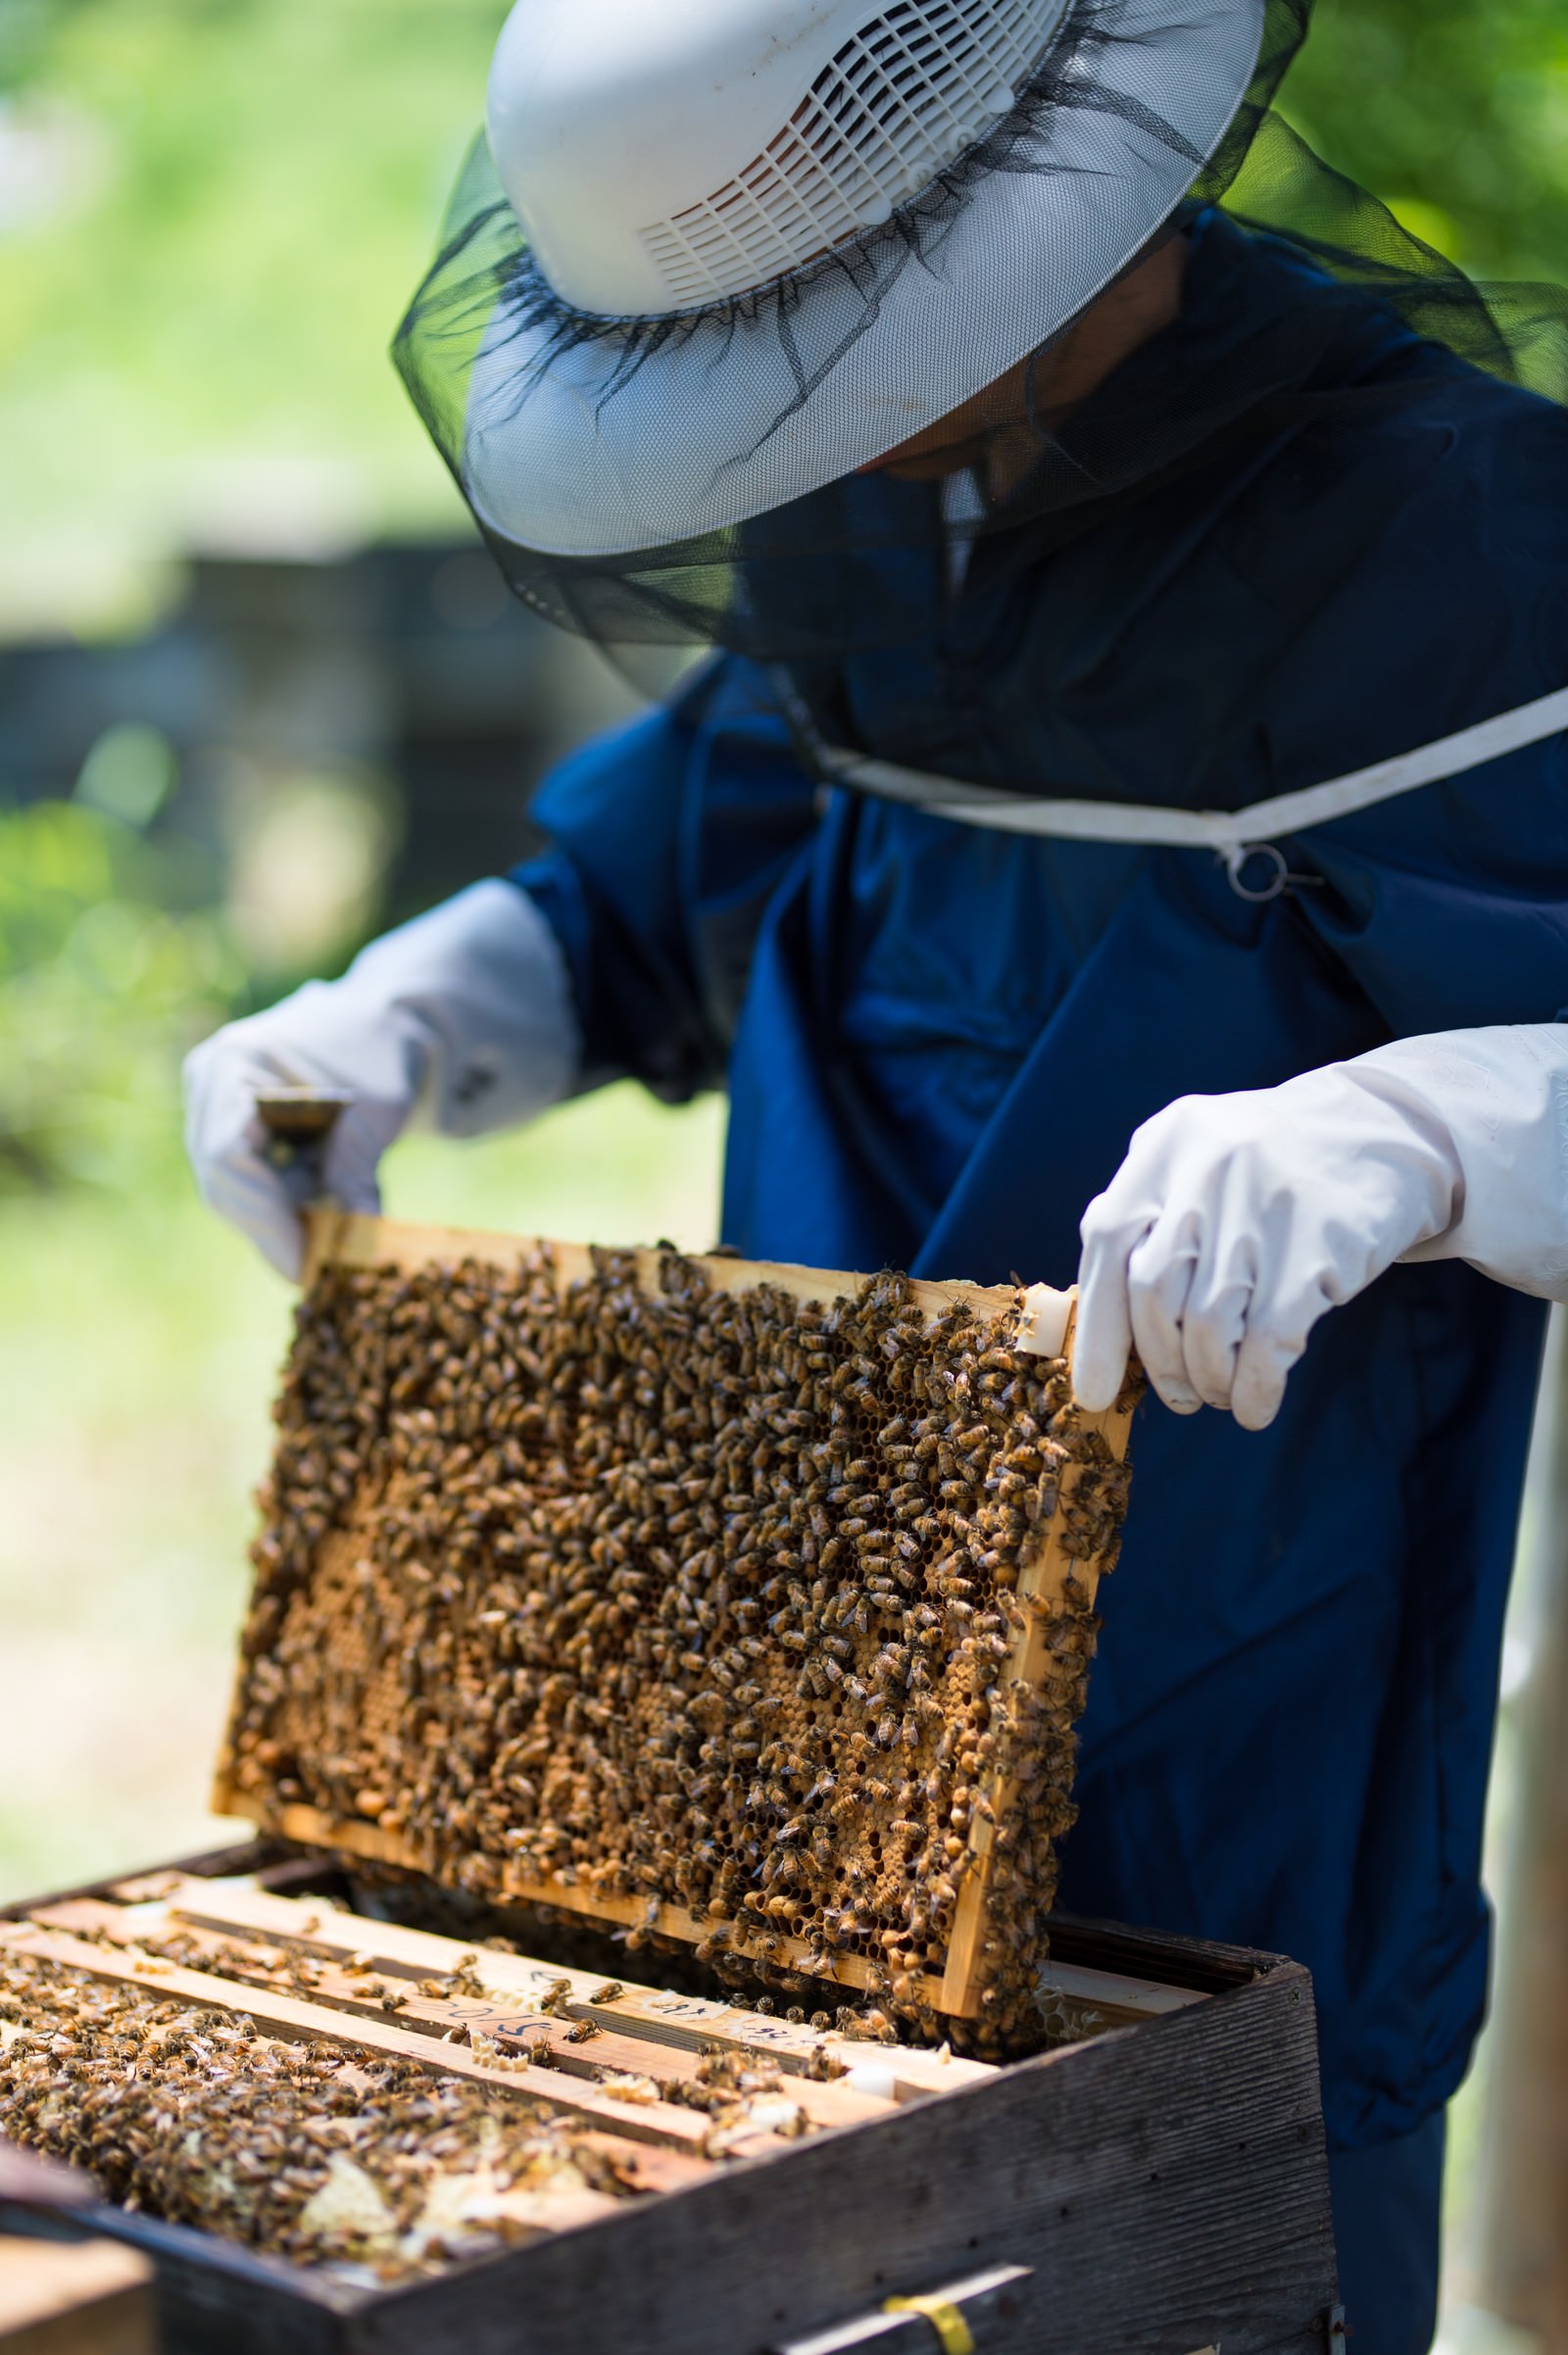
pixel 667 840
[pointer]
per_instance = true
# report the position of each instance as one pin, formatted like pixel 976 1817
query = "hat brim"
pixel 624 437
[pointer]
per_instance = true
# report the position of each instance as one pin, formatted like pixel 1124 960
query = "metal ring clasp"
pixel 1239 856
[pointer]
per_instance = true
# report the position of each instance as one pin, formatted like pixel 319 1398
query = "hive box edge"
pixel 1191 2143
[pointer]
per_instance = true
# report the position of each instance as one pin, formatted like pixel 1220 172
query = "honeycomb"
pixel 305 2150
pixel 710 1611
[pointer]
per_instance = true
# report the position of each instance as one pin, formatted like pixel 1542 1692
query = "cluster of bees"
pixel 701 1598
pixel 305 2150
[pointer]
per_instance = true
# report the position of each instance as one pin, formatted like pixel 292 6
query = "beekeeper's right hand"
pixel 464 1015
pixel 1236 1221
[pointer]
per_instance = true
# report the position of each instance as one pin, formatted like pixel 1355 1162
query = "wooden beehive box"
pixel 586 2157
pixel 1157 2186
pixel 74 2297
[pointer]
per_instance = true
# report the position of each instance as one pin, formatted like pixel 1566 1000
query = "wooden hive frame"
pixel 1061 1566
pixel 630 2067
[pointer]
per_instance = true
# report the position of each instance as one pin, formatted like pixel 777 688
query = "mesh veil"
pixel 872 560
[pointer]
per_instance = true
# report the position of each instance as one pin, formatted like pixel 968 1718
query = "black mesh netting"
pixel 1301 296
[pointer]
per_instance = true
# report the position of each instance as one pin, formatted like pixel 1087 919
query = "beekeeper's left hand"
pixel 1235 1221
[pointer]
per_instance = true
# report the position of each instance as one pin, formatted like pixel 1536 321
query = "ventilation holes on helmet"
pixel 899 103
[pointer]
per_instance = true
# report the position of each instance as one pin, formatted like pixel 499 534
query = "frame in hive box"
pixel 1157 2184
pixel 750 1606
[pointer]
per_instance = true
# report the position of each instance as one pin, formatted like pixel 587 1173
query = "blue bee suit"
pixel 937 1039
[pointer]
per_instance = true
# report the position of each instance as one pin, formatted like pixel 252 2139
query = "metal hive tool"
pixel 747 1607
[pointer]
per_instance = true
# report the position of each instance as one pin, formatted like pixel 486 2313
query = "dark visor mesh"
pixel 1339 290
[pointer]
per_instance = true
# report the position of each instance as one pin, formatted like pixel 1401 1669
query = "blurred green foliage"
pixel 1455 112
pixel 213 213
pixel 214 210
pixel 107 975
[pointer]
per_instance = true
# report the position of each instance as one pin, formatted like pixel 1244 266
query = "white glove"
pixel 465 1015
pixel 1236 1221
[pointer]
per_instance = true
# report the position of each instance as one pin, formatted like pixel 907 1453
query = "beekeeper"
pixel 1132 731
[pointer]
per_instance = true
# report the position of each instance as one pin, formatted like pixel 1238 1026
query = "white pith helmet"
pixel 664 159
pixel 661 156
